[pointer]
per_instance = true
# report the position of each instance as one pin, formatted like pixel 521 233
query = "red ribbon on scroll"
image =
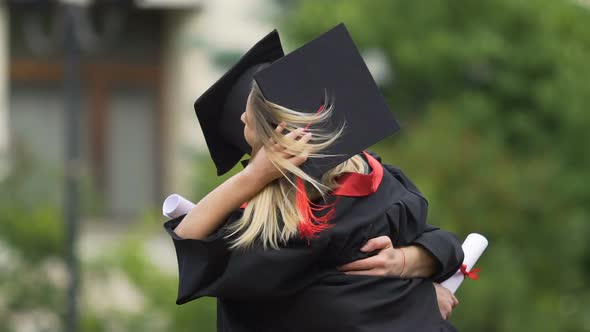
pixel 470 274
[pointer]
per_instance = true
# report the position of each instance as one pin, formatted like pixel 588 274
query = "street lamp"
pixel 72 82
pixel 70 27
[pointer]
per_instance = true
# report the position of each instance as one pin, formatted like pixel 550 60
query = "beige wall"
pixel 189 69
pixel 4 50
pixel 183 67
pixel 191 38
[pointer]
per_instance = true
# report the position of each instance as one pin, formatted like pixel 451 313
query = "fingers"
pixel 294 140
pixel 446 301
pixel 279 131
pixel 374 262
pixel 445 309
pixel 290 139
pixel 280 128
pixel 449 310
pixel 381 242
pixel 302 157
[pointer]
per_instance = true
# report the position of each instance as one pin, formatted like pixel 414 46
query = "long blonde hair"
pixel 272 216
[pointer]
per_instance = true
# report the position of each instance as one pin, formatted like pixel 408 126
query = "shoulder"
pixel 372 195
pixel 395 194
pixel 399 176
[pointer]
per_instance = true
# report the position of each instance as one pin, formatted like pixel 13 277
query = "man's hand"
pixel 408 262
pixel 446 300
pixel 388 262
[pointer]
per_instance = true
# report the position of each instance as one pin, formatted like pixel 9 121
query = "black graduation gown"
pixel 297 288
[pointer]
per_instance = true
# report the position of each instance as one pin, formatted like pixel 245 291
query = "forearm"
pixel 418 263
pixel 444 248
pixel 210 213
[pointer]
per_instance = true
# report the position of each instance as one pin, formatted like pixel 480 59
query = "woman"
pixel 271 261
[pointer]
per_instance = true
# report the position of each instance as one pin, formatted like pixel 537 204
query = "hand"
pixel 446 300
pixel 264 169
pixel 388 262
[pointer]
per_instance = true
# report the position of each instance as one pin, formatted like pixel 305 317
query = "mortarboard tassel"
pixel 311 225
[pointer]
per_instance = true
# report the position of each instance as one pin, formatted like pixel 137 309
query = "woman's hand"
pixel 446 300
pixel 264 169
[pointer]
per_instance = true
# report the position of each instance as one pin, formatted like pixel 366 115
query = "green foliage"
pixel 31 198
pixel 29 217
pixel 492 97
pixel 31 242
pixel 158 289
pixel 32 252
pixel 204 179
pixel 26 286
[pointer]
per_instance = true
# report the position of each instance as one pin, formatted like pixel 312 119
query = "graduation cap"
pixel 330 63
pixel 220 107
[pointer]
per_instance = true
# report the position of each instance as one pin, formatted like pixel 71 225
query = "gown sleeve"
pixel 442 245
pixel 200 262
pixel 209 268
pixel 445 248
pixel 408 214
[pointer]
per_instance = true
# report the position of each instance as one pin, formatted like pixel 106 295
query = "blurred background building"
pixel 144 63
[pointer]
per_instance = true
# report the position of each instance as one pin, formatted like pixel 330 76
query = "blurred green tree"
pixel 492 98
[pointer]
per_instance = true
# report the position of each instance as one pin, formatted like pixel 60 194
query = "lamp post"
pixel 72 82
pixel 68 28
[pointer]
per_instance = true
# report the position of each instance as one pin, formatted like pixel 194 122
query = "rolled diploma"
pixel 473 246
pixel 175 206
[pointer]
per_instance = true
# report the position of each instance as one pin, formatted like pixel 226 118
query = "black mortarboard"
pixel 220 107
pixel 331 63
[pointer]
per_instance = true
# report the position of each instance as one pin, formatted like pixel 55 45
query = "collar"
pixel 358 185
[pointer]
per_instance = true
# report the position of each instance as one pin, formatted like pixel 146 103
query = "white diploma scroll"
pixel 474 245
pixel 175 206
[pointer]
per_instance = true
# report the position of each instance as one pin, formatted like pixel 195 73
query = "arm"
pixel 444 250
pixel 214 208
pixel 205 265
pixel 208 268
pixel 436 254
pixel 405 262
pixel 419 263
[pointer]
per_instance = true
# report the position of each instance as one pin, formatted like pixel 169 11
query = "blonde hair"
pixel 272 216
